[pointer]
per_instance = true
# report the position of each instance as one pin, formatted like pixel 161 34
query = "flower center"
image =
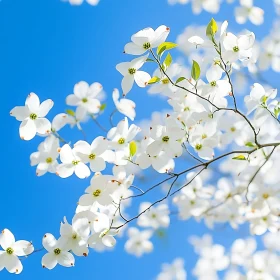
pixel 33 116
pixel 146 46
pixel 91 156
pixel 131 71
pixel 49 160
pixel 265 195
pixel 75 162
pixel 57 251
pixel 84 100
pixel 121 141
pixel 165 139
pixel 232 129
pixel 203 136
pixel 187 109
pixel 236 49
pixel 74 236
pixel 213 84
pixel 154 216
pixel 96 193
pixel 198 147
pixel 10 251
pixel 165 81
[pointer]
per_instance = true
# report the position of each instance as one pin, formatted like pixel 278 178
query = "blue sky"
pixel 46 47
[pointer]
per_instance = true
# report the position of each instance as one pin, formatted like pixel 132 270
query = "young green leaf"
pixel 132 148
pixel 165 47
pixel 167 62
pixel 211 29
pixel 195 70
pixel 154 80
pixel 70 112
pixel 103 106
pixel 180 80
pixel 250 144
pixel 240 157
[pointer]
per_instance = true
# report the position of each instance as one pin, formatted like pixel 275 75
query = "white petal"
pixel 66 155
pixel 45 108
pixel 98 164
pixel 82 171
pixel 7 239
pixel 81 89
pixel 20 113
pixel 27 129
pixel 43 126
pixel 134 49
pixel 49 261
pixel 142 78
pixel 49 242
pixel 33 102
pixel 66 259
pixel 82 147
pixel 109 241
pixel 161 34
pixel 127 83
pixel 23 248
pixel 13 264
pixel 123 68
pixel 65 170
pixel 72 100
pixel 59 121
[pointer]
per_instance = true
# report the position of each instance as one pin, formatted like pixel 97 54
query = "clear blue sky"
pixel 46 46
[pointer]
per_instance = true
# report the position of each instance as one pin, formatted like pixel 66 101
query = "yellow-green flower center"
pixel 91 156
pixel 131 71
pixel 33 116
pixel 213 84
pixel 265 195
pixel 236 49
pixel 121 141
pixel 75 162
pixel 9 251
pixel 84 100
pixel 232 129
pixel 203 136
pixel 165 81
pixel 146 46
pixel 165 139
pixel 198 147
pixel 96 193
pixel 57 251
pixel 74 236
pixel 49 160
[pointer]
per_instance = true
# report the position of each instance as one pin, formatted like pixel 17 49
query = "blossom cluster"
pixel 205 124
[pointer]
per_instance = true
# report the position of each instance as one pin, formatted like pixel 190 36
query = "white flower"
pixel 130 71
pixel 238 47
pixel 76 235
pixel 95 153
pixel 71 163
pixel 12 250
pixel 174 271
pixel 138 242
pixel 248 11
pixel 57 252
pixel 59 121
pixel 105 238
pixel 146 39
pixel 124 106
pixel 155 217
pixel 46 157
pixel 85 97
pixel 79 2
pixel 32 116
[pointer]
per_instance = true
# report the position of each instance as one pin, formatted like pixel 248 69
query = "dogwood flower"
pixel 248 11
pixel 94 153
pixel 85 97
pixel 146 39
pixel 173 271
pixel 124 106
pixel 155 217
pixel 238 47
pixel 57 252
pixel 131 73
pixel 12 250
pixel 46 157
pixel 32 116
pixel 138 242
pixel 71 163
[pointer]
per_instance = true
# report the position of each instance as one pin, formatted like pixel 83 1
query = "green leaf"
pixel 154 80
pixel 211 29
pixel 150 60
pixel 195 70
pixel 70 112
pixel 132 148
pixel 240 157
pixel 250 144
pixel 276 111
pixel 167 62
pixel 165 47
pixel 180 80
pixel 103 106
